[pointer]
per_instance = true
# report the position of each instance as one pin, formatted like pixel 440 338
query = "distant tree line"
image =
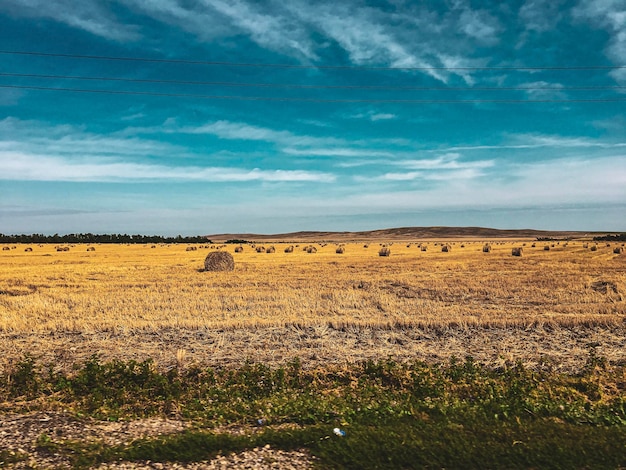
pixel 236 241
pixel 95 238
pixel 621 237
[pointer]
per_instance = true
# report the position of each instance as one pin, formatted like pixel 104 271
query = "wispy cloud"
pixel 89 15
pixel 542 90
pixel 268 29
pixel 231 130
pixel 338 152
pixel 563 181
pixel 480 25
pixel 540 15
pixel 611 16
pixel 446 167
pixel 374 116
pixel 62 139
pixel 35 151
pixel 449 161
pixel 530 141
pixel 30 167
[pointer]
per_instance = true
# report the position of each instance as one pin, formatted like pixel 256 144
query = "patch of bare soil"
pixel 566 348
pixel 23 434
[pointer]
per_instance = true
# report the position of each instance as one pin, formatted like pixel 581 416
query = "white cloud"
pixel 479 24
pixel 374 116
pixel 542 90
pixel 449 161
pixel 89 15
pixel 39 137
pixel 446 167
pixel 541 15
pixel 407 176
pixel 338 152
pixel 382 116
pixel 534 141
pixel 270 30
pixel 230 130
pixel 31 167
pixel 610 15
pixel 563 181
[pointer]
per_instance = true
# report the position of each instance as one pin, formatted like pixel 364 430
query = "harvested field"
pixel 129 301
pixel 354 330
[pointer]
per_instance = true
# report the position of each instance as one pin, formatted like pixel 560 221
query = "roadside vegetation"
pixel 394 415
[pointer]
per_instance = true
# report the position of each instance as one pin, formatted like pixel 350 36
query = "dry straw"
pixel 219 261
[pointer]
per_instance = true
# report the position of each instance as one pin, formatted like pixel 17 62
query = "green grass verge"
pixel 397 415
pixel 404 443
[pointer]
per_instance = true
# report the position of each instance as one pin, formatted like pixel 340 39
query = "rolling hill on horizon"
pixel 401 233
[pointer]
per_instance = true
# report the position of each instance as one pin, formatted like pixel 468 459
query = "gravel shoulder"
pixel 20 434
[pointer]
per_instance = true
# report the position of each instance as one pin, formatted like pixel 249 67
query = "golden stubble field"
pixel 139 300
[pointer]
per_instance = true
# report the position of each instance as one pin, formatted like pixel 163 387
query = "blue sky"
pixel 393 113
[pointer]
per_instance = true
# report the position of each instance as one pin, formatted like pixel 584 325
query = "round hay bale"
pixel 191 248
pixel 219 261
pixel 366 246
pixel 28 249
pixel 446 248
pixel 91 248
pixel 547 248
pixel 271 249
pixel 594 248
pixel 238 249
pixel 423 248
pixel 311 249
pixel 340 250
pixel 289 249
pixel 384 251
pixel 487 249
pixel 618 250
pixel 260 249
pixel 517 251
pixel 6 248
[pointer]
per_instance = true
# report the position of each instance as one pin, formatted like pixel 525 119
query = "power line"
pixel 311 100
pixel 300 86
pixel 302 66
